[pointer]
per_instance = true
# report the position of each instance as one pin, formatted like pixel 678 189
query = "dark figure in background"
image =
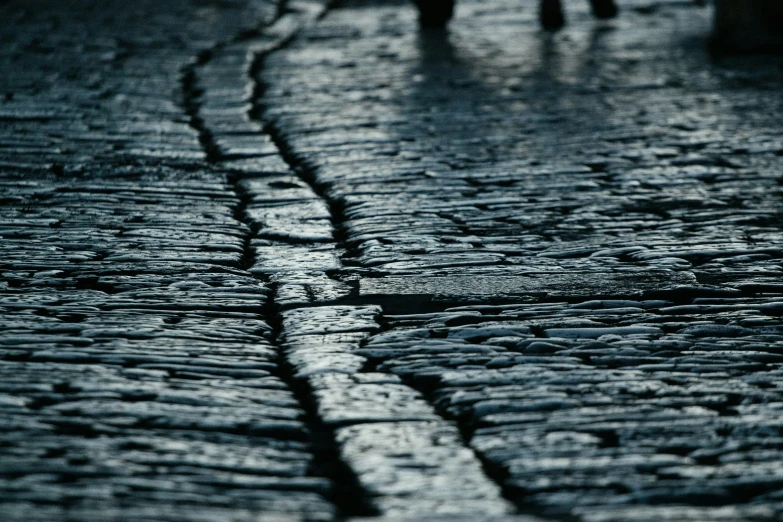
pixel 436 13
pixel 748 26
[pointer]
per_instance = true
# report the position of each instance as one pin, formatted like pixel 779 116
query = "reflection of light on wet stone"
pixel 368 397
pixel 330 319
pixel 296 288
pixel 146 377
pixel 594 333
pixel 559 412
pixel 275 257
pixel 409 459
pixel 417 469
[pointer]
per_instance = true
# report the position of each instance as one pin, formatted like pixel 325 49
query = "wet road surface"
pixel 312 263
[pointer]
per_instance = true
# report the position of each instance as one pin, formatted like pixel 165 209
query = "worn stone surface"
pixel 493 147
pixel 302 262
pixel 139 379
pixel 604 402
pixel 575 239
pixel 409 461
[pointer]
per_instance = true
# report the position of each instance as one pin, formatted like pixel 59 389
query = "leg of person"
pixel 551 14
pixel 435 13
pixel 604 8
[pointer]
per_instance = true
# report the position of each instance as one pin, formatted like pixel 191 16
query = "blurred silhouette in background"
pixel 437 13
pixel 740 25
pixel 748 26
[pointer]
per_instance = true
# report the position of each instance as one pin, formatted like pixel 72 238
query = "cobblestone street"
pixel 282 261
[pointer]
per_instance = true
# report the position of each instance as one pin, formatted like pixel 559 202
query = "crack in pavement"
pixel 370 415
pixel 630 341
pixel 355 261
pixel 344 491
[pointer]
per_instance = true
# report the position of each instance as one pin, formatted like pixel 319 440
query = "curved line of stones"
pixel 325 462
pixel 403 459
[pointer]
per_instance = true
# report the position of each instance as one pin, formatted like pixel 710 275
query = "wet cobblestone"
pixel 607 198
pixel 306 262
pixel 140 379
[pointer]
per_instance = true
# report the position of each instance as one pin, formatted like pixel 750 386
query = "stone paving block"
pixel 482 187
pixel 604 398
pixel 153 433
pixel 272 163
pixel 617 200
pixel 271 257
pixel 344 400
pixel 140 379
pixel 330 319
pixel 407 459
pixel 303 288
pixel 454 516
pixel 405 465
pixel 740 513
pixel 328 353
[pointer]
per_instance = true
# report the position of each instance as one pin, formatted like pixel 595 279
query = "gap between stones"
pixel 340 436
pixel 307 173
pixel 423 304
pixel 347 494
pixel 324 440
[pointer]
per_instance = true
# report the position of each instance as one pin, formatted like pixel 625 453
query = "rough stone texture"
pixel 266 262
pixel 138 373
pixel 408 460
pixel 608 200
pixel 142 374
pixel 607 402
pixel 492 148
